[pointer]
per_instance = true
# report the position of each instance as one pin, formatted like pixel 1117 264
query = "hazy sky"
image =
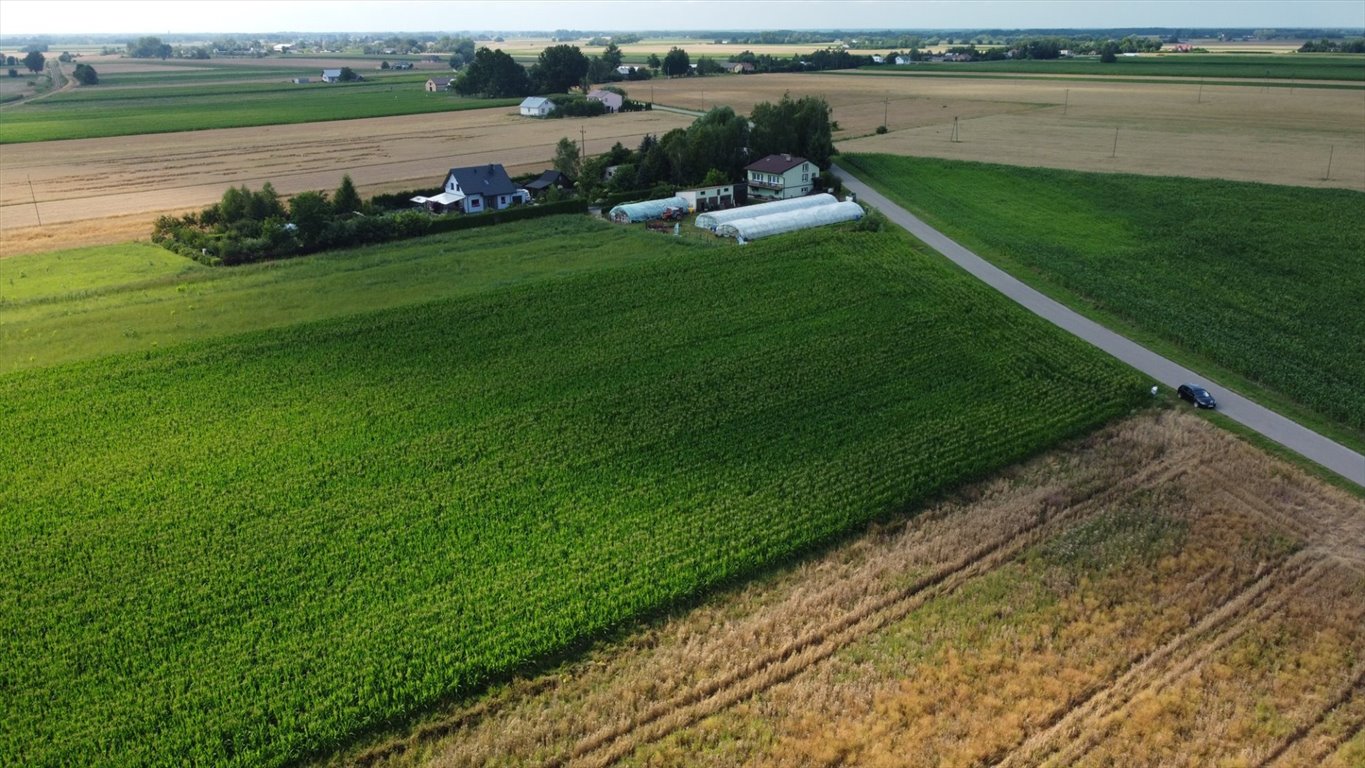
pixel 19 17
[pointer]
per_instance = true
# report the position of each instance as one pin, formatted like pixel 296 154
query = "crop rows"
pixel 126 113
pixel 1262 281
pixel 245 551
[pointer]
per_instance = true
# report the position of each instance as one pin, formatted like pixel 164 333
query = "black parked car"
pixel 1197 395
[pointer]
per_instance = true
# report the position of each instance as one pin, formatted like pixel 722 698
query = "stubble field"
pixel 1159 593
pixel 79 181
pixel 1241 132
pixel 1275 135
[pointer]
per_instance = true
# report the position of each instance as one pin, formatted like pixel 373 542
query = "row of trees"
pixel 815 61
pixel 495 74
pixel 33 61
pixel 713 150
pixel 1333 46
pixel 246 226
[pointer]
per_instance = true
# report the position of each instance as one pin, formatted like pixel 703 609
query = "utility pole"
pixel 582 144
pixel 39 216
pixel 1114 152
pixel 1330 152
pixel 1066 104
pixel 955 139
pixel 1200 100
pixel 886 107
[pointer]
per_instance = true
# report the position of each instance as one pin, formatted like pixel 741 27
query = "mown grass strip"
pixel 1259 286
pixel 244 551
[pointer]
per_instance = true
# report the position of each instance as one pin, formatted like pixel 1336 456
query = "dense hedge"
pixel 207 238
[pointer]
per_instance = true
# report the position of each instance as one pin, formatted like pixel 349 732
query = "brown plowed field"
pixel 142 176
pixel 1159 593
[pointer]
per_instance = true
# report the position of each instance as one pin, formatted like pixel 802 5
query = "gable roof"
pixel 606 97
pixel 775 164
pixel 439 82
pixel 491 179
pixel 331 73
pixel 548 178
pixel 536 102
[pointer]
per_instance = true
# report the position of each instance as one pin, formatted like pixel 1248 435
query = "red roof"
pixel 775 164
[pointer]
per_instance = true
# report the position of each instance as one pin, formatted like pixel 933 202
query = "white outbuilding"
pixel 537 106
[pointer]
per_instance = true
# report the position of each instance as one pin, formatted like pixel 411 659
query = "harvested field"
pixel 1274 135
pixel 1159 593
pixel 98 178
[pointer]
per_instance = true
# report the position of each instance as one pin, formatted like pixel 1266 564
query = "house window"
pixel 805 177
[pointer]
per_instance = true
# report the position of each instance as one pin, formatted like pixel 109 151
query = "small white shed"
pixel 537 106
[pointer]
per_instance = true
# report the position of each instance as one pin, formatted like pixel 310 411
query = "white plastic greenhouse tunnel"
pixel 714 219
pixel 629 213
pixel 791 221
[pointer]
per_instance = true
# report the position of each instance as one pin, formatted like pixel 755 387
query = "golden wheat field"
pixel 82 182
pixel 1275 135
pixel 1157 594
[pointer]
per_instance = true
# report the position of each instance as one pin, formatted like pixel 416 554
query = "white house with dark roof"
pixel 484 187
pixel 438 84
pixel 777 177
pixel 331 75
pixel 537 106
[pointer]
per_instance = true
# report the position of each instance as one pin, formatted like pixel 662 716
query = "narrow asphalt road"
pixel 1330 454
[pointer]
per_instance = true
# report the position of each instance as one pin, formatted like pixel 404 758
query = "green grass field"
pixel 1278 66
pixel 84 114
pixel 1259 284
pixel 246 550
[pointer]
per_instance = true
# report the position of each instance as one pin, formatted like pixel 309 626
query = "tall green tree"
pixel 677 63
pixel 567 159
pixel 310 212
pixel 653 62
pixel 346 199
pixel 612 55
pixel 149 48
pixel 35 61
pixel 716 141
pixel 85 75
pixel 797 127
pixel 493 75
pixel 559 68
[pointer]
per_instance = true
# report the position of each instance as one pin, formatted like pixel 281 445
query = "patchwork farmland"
pixel 564 493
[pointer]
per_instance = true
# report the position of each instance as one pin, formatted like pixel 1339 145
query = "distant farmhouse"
pixel 438 84
pixel 537 106
pixel 612 101
pixel 331 75
pixel 776 177
pixel 475 189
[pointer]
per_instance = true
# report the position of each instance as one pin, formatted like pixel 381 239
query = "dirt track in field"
pixel 96 179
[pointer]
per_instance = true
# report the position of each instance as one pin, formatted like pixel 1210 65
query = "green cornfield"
pixel 1258 285
pixel 245 551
